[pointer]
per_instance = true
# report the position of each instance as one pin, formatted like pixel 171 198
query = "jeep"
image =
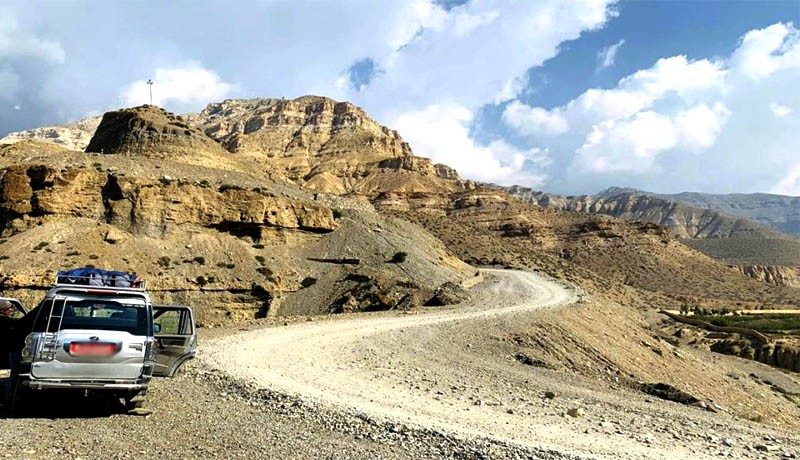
pixel 103 341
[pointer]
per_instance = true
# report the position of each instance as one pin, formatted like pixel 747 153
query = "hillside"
pixel 746 244
pixel 777 211
pixel 204 226
pixel 276 208
pixel 72 136
pixel 322 145
pixel 684 221
pixel 207 170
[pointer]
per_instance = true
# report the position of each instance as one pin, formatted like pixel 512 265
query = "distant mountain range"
pixel 777 211
pixel 739 229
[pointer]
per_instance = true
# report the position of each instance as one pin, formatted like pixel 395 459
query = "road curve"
pixel 321 360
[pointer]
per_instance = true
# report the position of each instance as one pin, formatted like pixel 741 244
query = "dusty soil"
pixel 428 384
pixel 421 371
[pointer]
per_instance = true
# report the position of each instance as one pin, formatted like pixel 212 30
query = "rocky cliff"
pixel 779 276
pixel 73 136
pixel 322 144
pixel 684 221
pixel 152 132
pixel 779 212
pixel 206 226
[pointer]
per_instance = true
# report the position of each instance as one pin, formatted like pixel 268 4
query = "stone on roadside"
pixel 576 412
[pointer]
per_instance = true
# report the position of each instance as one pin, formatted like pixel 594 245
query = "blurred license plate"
pixel 92 348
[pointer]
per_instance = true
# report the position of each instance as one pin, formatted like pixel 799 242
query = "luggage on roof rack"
pixel 99 277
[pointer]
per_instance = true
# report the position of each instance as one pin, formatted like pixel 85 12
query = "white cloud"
pixel 763 52
pixel 189 84
pixel 698 127
pixel 789 184
pixel 779 110
pixel 442 132
pixel 607 56
pixel 656 119
pixel 629 145
pixel 476 54
pixel 534 121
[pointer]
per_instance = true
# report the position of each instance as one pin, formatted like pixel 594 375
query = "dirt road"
pixel 317 359
pixel 419 370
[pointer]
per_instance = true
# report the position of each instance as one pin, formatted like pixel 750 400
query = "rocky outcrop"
pixel 73 136
pixel 779 212
pixel 778 276
pixel 323 145
pixel 780 354
pixel 684 221
pixel 146 206
pixel 150 131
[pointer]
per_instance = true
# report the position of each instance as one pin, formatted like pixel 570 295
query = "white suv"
pixel 103 341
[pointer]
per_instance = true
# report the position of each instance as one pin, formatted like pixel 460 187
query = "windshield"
pixel 93 314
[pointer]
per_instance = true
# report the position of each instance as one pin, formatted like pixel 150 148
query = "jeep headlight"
pixel 27 354
pixel 29 340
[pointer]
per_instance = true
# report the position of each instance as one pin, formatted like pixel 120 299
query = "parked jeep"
pixel 101 335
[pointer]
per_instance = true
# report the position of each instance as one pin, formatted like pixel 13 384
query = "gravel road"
pixel 388 386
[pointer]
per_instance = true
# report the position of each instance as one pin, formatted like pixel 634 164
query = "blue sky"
pixel 568 96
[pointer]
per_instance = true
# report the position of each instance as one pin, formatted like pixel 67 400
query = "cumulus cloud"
pixel 607 56
pixel 533 121
pixel 656 119
pixel 475 54
pixel 632 145
pixel 763 52
pixel 442 132
pixel 185 85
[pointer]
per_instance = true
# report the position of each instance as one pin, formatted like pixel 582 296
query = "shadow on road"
pixel 62 404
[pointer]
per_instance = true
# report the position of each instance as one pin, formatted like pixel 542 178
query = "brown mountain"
pixel 684 221
pixel 276 207
pixel 205 226
pixel 321 144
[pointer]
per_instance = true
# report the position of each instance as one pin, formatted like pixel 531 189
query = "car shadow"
pixel 62 405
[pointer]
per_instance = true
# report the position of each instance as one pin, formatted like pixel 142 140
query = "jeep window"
pixel 95 315
pixel 174 322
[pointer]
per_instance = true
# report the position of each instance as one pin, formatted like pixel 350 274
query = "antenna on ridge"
pixel 150 83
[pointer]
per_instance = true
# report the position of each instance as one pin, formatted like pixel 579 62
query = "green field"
pixel 767 323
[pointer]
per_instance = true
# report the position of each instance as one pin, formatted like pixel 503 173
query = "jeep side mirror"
pixel 156 328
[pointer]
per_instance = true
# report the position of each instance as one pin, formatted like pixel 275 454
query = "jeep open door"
pixel 173 327
pixel 17 311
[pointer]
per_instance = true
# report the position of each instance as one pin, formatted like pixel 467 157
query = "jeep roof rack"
pixel 84 282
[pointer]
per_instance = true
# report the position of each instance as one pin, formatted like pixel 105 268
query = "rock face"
pixel 322 144
pixel 73 136
pixel 782 354
pixel 779 276
pixel 684 221
pixel 211 227
pixel 150 131
pixel 777 211
pixel 147 207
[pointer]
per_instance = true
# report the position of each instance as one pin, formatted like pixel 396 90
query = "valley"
pixel 401 311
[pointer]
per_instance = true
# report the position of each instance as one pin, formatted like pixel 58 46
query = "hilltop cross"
pixel 150 83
